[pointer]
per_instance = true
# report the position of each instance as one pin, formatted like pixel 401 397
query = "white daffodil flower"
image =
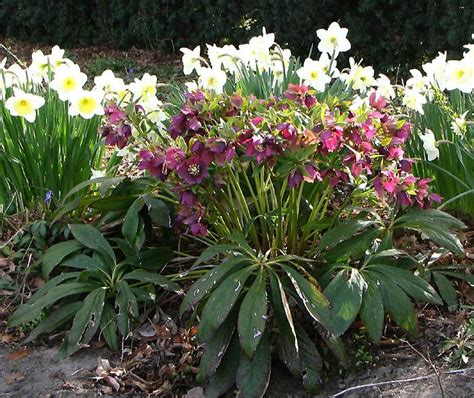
pixel 361 78
pixel 384 87
pixel 40 66
pixel 256 53
pixel 436 71
pixel 230 58
pixel 326 63
pixel 109 83
pixel 145 88
pixel 333 39
pixel 460 75
pixel 414 100
pixel 67 81
pixel 154 110
pixel 470 52
pixel 212 79
pixel 56 58
pixel 459 124
pixel 417 82
pixel 15 75
pixel 429 144
pixel 214 53
pixel 191 59
pixel 313 74
pixel 24 104
pixel 86 103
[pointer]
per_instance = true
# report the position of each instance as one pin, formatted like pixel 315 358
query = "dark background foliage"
pixel 387 34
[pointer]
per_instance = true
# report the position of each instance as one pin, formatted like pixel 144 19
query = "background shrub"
pixel 386 34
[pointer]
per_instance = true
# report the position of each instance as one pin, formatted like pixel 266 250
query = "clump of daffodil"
pixel 24 104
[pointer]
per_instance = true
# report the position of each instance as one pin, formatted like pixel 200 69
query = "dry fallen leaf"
pixel 16 355
pixel 9 338
pixel 13 377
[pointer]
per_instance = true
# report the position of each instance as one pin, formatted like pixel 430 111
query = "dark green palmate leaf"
pixel 253 315
pixel 86 322
pixel 202 287
pixel 345 294
pixel 372 311
pixel 57 253
pixel 436 225
pixel 253 374
pixel 313 300
pixel 221 302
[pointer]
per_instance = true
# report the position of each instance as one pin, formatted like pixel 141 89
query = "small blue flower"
pixel 48 197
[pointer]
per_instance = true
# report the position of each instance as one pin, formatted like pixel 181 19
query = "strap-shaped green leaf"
pixel 55 319
pixel 398 305
pixel 126 304
pixel 253 315
pixel 288 347
pixel 413 285
pixel 57 253
pixel 215 348
pixel 311 362
pixel 345 294
pixel 213 251
pixel 30 311
pixel 157 279
pixel 445 288
pixel 226 373
pixel 343 231
pixel 372 311
pixel 131 221
pixel 313 300
pixel 93 239
pixel 210 281
pixel 221 302
pixel 436 225
pixel 87 320
pixel 253 374
pixel 108 327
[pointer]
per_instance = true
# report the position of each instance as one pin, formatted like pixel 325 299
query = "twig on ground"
pixel 398 381
pixel 429 362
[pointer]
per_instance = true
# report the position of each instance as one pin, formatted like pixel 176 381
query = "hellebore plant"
pixel 265 178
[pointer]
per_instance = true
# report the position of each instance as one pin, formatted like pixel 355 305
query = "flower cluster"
pixel 295 137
